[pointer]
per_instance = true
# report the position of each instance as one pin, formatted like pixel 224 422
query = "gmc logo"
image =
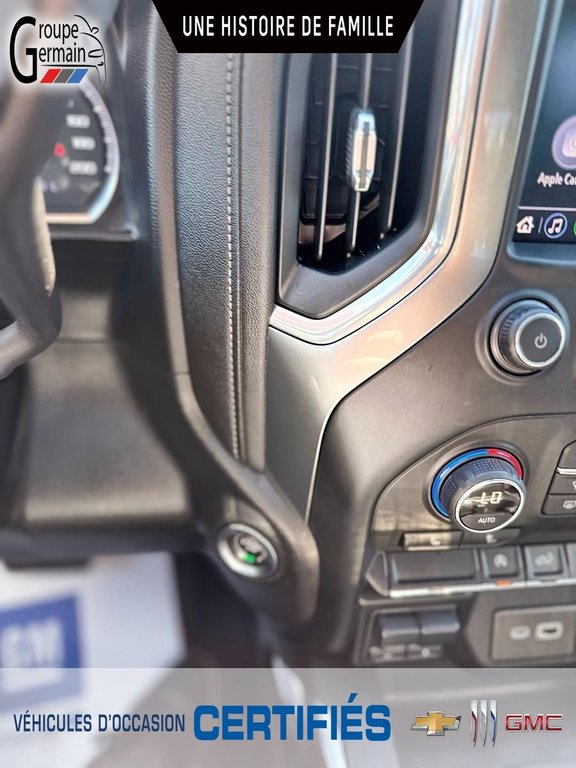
pixel 536 723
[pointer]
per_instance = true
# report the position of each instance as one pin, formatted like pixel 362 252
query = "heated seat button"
pixel 485 521
pixel 501 562
pixel 560 505
pixel 563 484
pixel 544 560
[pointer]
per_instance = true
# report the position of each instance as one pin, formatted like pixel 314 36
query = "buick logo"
pixel 483 721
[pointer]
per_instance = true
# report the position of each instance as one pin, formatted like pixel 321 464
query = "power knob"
pixel 527 336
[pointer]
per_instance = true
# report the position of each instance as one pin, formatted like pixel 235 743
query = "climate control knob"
pixel 527 337
pixel 480 491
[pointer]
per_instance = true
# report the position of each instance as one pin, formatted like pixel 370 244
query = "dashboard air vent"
pixel 353 140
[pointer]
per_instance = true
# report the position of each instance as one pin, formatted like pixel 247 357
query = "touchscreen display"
pixel 547 211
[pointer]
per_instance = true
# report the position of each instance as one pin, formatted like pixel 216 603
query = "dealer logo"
pixel 56 52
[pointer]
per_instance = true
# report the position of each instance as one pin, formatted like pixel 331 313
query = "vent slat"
pixel 352 222
pixel 348 187
pixel 391 155
pixel 365 80
pixel 325 152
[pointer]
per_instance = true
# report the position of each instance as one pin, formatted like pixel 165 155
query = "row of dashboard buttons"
pixel 542 560
pixel 451 539
pixel 538 561
pixel 412 636
pixel 461 570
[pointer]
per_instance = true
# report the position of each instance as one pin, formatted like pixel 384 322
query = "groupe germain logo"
pixel 53 52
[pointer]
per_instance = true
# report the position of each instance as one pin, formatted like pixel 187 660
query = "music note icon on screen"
pixel 555 225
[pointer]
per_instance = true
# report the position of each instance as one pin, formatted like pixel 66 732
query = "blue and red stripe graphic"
pixel 64 75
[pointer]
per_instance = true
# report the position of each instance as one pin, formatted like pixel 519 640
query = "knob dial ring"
pixel 508 337
pixel 481 490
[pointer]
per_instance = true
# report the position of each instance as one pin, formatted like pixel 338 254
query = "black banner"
pixel 250 32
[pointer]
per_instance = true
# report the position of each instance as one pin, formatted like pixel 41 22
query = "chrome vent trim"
pixel 459 123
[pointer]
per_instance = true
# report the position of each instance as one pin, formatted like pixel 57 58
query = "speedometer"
pixel 81 175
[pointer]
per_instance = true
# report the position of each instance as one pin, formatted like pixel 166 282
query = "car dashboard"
pixel 347 387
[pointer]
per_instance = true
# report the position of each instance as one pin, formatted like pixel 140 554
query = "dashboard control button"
pixel 492 538
pixel 482 494
pixel 565 484
pixel 495 497
pixel 432 540
pixel 485 521
pixel 451 565
pixel 246 551
pixel 560 505
pixel 555 225
pixel 527 337
pixel 439 626
pixel 398 628
pixel 543 560
pixel 501 562
pixel 568 458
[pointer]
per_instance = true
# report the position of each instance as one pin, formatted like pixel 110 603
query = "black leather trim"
pixel 227 109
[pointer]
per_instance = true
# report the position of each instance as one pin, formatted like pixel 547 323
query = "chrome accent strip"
pixel 101 203
pixel 565 471
pixel 306 381
pixel 461 589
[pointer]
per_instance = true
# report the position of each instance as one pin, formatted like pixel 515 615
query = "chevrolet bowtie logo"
pixel 436 724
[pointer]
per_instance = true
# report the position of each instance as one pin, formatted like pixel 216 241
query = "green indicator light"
pixel 250 559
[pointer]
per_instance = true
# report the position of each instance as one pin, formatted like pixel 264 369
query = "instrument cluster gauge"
pixel 81 176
